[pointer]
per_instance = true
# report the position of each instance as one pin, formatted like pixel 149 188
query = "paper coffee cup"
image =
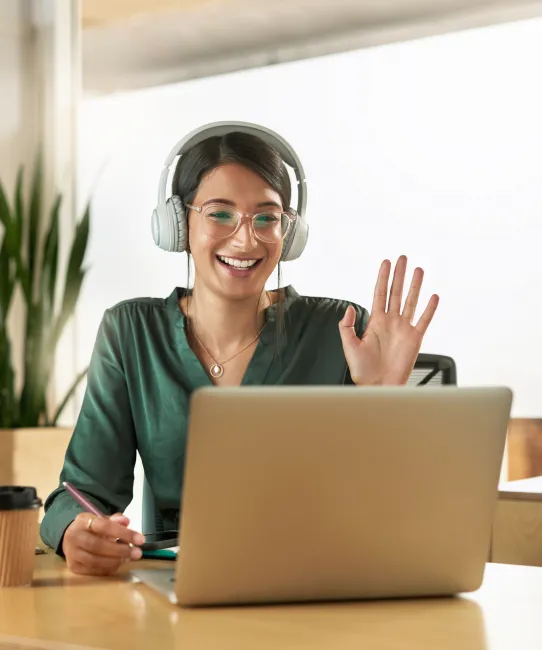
pixel 19 513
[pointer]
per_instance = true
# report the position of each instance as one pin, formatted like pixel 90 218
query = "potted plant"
pixel 32 446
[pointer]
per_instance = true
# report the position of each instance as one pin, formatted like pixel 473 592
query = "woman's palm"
pixel 387 351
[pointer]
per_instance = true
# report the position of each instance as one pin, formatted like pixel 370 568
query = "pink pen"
pixel 86 504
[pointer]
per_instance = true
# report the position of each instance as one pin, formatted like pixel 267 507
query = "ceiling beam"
pixel 180 54
pixel 99 13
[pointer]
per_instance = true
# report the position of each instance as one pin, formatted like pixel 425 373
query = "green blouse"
pixel 141 376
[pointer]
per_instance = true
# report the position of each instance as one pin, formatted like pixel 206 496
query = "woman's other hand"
pixel 91 548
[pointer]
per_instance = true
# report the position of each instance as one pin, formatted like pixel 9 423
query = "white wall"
pixel 16 127
pixel 432 148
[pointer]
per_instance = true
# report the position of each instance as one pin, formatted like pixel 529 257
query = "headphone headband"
pixel 223 128
pixel 294 245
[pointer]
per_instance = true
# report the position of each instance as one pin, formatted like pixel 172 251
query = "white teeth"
pixel 239 264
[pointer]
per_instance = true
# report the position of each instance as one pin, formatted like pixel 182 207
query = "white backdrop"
pixel 431 148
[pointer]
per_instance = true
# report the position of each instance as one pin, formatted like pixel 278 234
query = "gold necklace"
pixel 217 369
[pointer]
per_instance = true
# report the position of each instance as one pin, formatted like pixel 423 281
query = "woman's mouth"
pixel 238 267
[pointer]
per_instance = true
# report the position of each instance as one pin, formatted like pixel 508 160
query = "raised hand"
pixel 387 351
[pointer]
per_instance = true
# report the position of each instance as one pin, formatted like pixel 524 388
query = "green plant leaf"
pixel 68 396
pixel 22 249
pixel 74 276
pixel 79 246
pixel 8 405
pixel 6 220
pixel 18 212
pixel 43 360
pixel 12 239
pixel 7 283
pixel 50 265
pixel 31 397
pixel 71 295
pixel 34 222
pixel 29 417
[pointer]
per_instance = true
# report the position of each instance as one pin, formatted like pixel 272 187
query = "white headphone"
pixel 169 224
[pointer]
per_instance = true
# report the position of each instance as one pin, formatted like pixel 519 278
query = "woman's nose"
pixel 244 237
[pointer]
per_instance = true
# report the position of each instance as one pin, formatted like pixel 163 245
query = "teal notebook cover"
pixel 160 554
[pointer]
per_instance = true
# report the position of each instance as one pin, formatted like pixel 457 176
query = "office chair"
pixel 152 521
pixel 433 370
pixel 429 370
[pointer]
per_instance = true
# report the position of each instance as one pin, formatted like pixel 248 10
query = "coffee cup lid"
pixel 17 497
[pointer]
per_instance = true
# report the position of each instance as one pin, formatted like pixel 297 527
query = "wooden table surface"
pixel 517 523
pixel 67 612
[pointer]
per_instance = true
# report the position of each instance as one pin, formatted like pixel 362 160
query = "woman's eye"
pixel 266 219
pixel 221 216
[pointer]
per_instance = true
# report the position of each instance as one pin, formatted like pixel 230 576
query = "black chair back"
pixel 433 370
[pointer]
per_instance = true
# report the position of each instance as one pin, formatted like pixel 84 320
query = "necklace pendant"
pixel 216 371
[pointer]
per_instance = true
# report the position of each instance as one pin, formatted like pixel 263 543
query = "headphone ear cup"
pixel 178 224
pixel 156 228
pixel 162 229
pixel 295 241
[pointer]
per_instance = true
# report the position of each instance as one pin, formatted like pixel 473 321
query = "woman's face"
pixel 217 261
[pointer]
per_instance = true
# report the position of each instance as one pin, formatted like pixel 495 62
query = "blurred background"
pixel 419 123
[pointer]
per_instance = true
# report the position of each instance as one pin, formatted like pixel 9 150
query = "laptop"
pixel 304 494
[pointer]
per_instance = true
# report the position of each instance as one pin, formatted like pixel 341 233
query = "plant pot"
pixel 33 457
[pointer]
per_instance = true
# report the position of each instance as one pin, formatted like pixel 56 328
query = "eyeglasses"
pixel 221 221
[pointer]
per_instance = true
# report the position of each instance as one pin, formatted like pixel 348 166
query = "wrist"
pixel 61 550
pixel 378 382
pixel 364 382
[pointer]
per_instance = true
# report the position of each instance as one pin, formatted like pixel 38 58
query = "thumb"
pixel 119 518
pixel 347 327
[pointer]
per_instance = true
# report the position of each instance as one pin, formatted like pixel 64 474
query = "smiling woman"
pixel 237 192
pixel 230 211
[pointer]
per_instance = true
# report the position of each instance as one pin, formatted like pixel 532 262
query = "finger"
pixel 349 318
pixel 81 556
pixel 106 527
pixel 411 302
pixel 101 546
pixel 84 562
pixel 347 327
pixel 381 289
pixel 82 570
pixel 120 519
pixel 398 282
pixel 427 316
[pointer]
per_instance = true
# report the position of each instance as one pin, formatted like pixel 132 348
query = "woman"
pixel 151 354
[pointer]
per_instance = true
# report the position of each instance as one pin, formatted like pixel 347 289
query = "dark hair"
pixel 242 148
pixel 251 152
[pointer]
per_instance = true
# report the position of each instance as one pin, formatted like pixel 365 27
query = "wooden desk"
pixel 67 612
pixel 517 526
